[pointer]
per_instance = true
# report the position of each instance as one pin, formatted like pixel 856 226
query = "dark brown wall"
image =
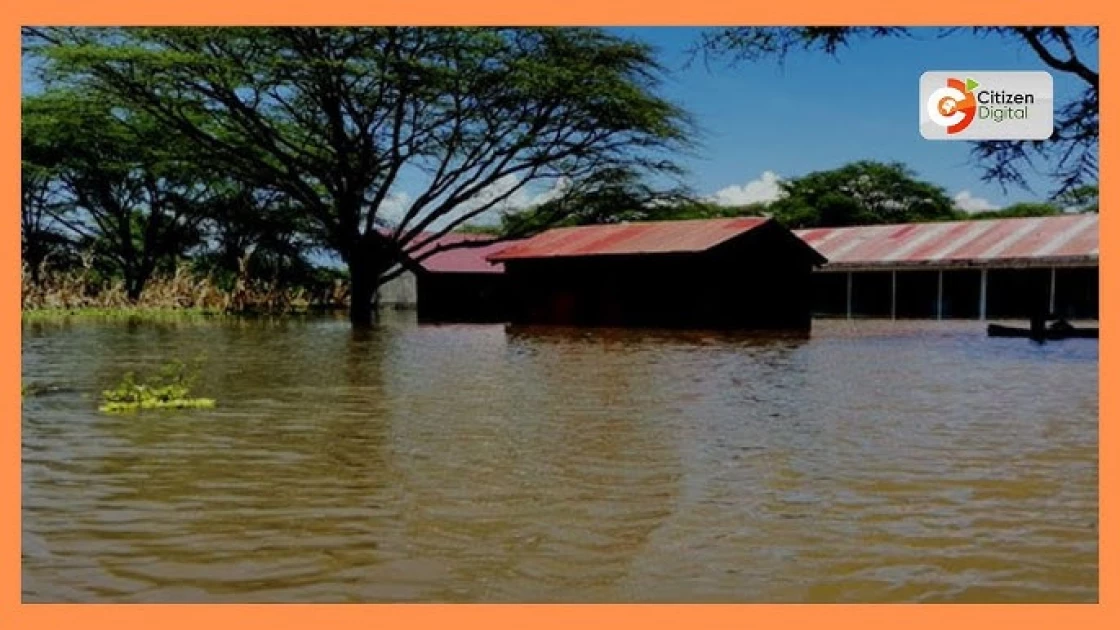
pixel 461 297
pixel 748 283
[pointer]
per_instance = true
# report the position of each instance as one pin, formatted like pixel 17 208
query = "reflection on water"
pixel 872 462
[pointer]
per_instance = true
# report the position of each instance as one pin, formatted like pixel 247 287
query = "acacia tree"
pixel 1070 155
pixel 117 183
pixel 344 120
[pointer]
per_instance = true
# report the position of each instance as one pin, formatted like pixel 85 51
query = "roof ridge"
pixel 639 237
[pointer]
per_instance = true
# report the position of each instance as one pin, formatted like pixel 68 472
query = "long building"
pixel 985 269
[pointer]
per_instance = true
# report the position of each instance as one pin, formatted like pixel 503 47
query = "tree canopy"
pixel 860 193
pixel 1081 199
pixel 138 199
pixel 1036 209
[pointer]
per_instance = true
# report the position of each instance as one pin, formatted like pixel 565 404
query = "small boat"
pixel 1049 334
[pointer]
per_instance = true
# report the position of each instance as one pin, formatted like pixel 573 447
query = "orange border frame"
pixel 13 614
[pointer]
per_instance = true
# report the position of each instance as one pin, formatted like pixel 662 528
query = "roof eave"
pixel 999 263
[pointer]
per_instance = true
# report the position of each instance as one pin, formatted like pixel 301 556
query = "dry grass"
pixel 79 290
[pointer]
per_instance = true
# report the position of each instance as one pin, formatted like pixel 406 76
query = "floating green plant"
pixel 170 388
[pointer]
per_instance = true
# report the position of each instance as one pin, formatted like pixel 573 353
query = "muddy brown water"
pixel 872 462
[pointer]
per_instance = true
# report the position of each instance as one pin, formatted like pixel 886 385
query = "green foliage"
pixel 703 209
pixel 1083 199
pixel 676 210
pixel 169 388
pixel 1026 209
pixel 122 189
pixel 860 193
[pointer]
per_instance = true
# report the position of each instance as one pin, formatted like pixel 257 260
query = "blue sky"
pixel 818 112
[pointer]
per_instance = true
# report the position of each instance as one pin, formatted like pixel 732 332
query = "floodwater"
pixel 873 462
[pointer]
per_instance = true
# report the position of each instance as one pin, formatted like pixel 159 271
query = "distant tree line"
pixel 859 193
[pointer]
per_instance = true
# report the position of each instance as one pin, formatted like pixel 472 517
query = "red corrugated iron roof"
pixel 1061 239
pixel 462 259
pixel 655 237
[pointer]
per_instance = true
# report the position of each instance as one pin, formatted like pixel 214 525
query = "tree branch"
pixel 1033 37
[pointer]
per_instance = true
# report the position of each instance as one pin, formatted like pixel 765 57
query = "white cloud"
pixel 559 187
pixel 765 189
pixel 394 206
pixel 525 197
pixel 964 200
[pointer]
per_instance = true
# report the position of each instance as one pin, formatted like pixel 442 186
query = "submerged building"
pixel 461 285
pixel 741 273
pixel 456 285
pixel 985 269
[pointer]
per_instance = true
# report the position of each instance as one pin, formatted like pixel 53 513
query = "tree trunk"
pixel 367 263
pixel 34 260
pixel 363 284
pixel 134 286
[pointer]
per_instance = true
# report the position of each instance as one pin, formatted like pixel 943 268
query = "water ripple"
pixel 875 462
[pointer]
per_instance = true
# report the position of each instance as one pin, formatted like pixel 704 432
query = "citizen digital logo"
pixel 970 105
